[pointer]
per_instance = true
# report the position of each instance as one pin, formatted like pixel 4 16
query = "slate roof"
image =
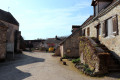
pixel 90 18
pixel 8 17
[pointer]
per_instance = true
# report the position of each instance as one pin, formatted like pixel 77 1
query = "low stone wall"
pixel 92 55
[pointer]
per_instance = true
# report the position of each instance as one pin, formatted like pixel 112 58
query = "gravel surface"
pixel 41 66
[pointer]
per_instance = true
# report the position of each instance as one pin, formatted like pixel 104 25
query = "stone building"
pixel 105 24
pixel 13 32
pixel 33 43
pixel 3 33
pixel 69 47
pixel 100 46
pixel 52 42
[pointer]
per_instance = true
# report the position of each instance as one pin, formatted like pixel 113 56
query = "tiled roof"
pixel 90 18
pixel 7 17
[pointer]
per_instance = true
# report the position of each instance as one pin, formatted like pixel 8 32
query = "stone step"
pixel 114 67
pixel 113 62
pixel 114 70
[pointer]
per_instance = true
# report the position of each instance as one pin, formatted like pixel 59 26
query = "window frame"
pixel 107 35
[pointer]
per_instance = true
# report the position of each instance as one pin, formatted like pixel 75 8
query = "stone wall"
pixel 93 31
pixel 112 43
pixel 57 52
pixel 11 36
pixel 70 45
pixel 3 32
pixel 93 56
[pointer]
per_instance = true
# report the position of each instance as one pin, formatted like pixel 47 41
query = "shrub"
pixel 86 65
pixel 88 70
pixel 76 60
pixel 65 57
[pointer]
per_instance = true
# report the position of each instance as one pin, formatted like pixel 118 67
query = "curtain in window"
pixel 110 26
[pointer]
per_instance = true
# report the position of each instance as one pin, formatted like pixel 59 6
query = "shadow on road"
pixel 9 71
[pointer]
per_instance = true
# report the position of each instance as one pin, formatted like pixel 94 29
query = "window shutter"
pixel 88 31
pixel 103 29
pixel 115 25
pixel 106 28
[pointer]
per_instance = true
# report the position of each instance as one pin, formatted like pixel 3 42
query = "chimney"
pixel 75 27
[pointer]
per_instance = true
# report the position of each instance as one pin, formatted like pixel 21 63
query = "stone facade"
pixel 70 47
pixel 12 32
pixel 93 55
pixel 57 52
pixel 12 37
pixel 112 42
pixel 3 33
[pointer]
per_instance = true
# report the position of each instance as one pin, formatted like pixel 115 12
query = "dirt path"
pixel 40 66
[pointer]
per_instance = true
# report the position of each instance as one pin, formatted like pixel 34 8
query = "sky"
pixel 47 18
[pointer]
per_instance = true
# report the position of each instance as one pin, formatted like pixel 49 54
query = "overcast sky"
pixel 47 18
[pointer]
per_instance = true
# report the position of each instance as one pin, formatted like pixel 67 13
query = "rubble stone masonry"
pixel 3 31
pixel 71 45
pixel 113 43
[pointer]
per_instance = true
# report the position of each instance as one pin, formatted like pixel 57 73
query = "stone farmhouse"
pixel 3 34
pixel 96 42
pixel 105 24
pixel 100 48
pixel 33 43
pixel 10 34
pixel 43 44
pixel 69 46
pixel 52 42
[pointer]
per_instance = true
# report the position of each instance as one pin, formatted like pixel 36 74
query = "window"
pixel 88 31
pixel 115 25
pixel 100 30
pixel 96 10
pixel 84 32
pixel 110 27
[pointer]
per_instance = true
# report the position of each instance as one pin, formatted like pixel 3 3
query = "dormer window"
pixel 96 9
pixel 99 5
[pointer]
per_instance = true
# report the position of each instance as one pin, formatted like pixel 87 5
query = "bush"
pixel 88 70
pixel 65 57
pixel 86 65
pixel 76 60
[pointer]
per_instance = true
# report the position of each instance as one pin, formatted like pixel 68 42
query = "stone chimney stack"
pixel 75 27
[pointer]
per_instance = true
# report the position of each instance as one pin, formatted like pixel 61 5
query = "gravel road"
pixel 41 66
